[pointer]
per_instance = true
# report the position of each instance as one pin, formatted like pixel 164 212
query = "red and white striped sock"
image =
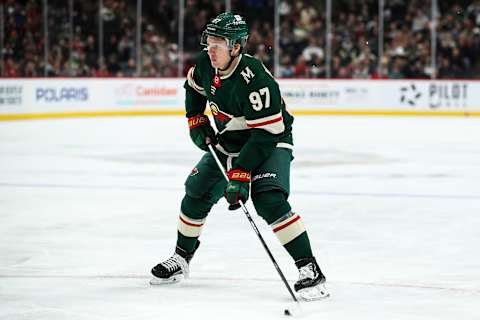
pixel 190 227
pixel 288 229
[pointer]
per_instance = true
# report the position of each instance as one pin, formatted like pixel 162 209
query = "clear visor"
pixel 213 42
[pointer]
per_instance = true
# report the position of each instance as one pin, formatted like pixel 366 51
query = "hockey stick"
pixel 254 226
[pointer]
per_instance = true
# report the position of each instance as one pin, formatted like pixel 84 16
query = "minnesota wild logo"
pixel 218 114
pixel 194 172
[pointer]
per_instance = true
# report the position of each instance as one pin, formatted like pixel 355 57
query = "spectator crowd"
pixel 73 49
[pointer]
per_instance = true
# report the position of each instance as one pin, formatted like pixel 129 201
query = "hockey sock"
pixel 299 247
pixel 291 233
pixel 186 243
pixel 188 232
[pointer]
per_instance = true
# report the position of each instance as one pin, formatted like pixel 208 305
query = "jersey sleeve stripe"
pixel 192 84
pixel 275 126
pixel 265 119
pixel 261 124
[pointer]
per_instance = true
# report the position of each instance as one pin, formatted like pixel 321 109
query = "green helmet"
pixel 229 26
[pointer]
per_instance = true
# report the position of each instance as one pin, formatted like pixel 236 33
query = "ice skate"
pixel 311 282
pixel 174 269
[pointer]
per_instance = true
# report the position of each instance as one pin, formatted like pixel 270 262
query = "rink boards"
pixel 41 98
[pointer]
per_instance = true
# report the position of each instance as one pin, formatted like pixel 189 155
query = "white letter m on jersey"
pixel 247 74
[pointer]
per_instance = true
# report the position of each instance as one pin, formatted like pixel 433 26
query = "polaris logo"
pixel 61 94
pixel 264 176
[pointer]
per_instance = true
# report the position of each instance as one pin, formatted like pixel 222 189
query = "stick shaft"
pixel 254 226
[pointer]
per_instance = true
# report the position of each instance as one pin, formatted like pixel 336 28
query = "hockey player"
pixel 254 142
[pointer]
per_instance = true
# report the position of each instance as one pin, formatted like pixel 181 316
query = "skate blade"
pixel 318 292
pixel 160 281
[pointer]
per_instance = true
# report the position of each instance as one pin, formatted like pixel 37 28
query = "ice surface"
pixel 88 206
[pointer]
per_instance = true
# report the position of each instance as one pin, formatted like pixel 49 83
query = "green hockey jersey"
pixel 247 107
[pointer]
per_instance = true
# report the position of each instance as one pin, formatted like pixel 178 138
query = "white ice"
pixel 88 206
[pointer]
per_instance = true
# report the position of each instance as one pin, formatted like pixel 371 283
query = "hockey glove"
pixel 238 187
pixel 200 130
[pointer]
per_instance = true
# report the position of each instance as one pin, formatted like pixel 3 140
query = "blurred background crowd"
pixel 73 39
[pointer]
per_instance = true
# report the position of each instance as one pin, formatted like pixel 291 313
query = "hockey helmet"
pixel 231 27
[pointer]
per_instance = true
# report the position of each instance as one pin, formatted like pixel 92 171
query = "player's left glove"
pixel 238 187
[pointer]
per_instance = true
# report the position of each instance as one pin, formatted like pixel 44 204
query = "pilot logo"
pixel 448 95
pixel 410 94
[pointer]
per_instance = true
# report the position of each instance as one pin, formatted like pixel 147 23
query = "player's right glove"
pixel 200 130
pixel 238 187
